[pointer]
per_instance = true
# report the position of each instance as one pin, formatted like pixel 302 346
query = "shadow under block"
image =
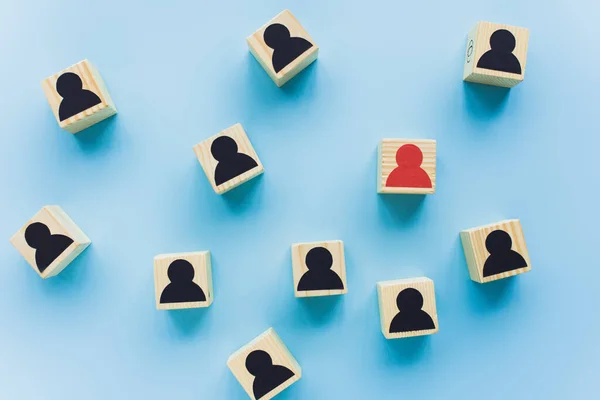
pixel 56 238
pixel 411 314
pixel 290 56
pixel 80 109
pixel 327 271
pixel 186 283
pixel 280 356
pixel 504 64
pixel 510 251
pixel 406 166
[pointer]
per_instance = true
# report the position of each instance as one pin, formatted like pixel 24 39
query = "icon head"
pixel 410 299
pixel 69 84
pixel 319 259
pixel 503 41
pixel 180 271
pixel 257 361
pixel 409 155
pixel 276 35
pixel 498 241
pixel 37 234
pixel 223 148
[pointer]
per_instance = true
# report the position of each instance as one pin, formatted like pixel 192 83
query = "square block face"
pixel 50 241
pixel 495 251
pixel 319 268
pixel 496 54
pixel 264 367
pixel 78 97
pixel 406 166
pixel 183 280
pixel 283 47
pixel 407 308
pixel 238 162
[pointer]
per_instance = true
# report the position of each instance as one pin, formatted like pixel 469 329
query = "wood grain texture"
pixel 386 163
pixel 299 251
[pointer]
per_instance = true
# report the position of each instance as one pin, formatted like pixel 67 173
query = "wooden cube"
pixel 407 308
pixel 264 367
pixel 228 159
pixel 78 97
pixel 496 54
pixel 183 280
pixel 283 47
pixel 50 241
pixel 319 268
pixel 406 166
pixel 495 251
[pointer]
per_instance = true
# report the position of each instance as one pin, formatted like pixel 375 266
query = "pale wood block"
pixel 183 280
pixel 500 65
pixel 50 241
pixel 80 109
pixel 289 51
pixel 273 368
pixel 406 166
pixel 238 161
pixel 508 256
pixel 319 268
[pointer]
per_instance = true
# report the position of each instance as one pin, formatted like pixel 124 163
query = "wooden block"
pixel 228 159
pixel 283 47
pixel 78 97
pixel 496 54
pixel 50 241
pixel 406 166
pixel 319 268
pixel 407 308
pixel 495 251
pixel 264 367
pixel 183 280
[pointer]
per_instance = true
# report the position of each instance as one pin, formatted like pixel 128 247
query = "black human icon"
pixel 47 246
pixel 500 56
pixel 230 163
pixel 182 287
pixel 266 375
pixel 285 48
pixel 411 316
pixel 319 275
pixel 501 259
pixel 75 98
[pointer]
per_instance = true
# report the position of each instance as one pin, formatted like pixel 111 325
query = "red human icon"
pixel 409 173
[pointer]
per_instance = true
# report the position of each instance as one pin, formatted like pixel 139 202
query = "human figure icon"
pixel 409 173
pixel 500 57
pixel 285 48
pixel 75 98
pixel 266 375
pixel 319 275
pixel 182 288
pixel 47 246
pixel 411 316
pixel 501 259
pixel 230 163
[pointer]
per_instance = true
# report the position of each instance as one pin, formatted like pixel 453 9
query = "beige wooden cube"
pixel 183 280
pixel 228 159
pixel 406 166
pixel 283 47
pixel 264 367
pixel 50 241
pixel 496 54
pixel 319 268
pixel 407 308
pixel 495 251
pixel 78 97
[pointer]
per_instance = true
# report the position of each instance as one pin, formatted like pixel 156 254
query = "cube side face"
pixel 470 256
pixel 301 271
pixel 470 55
pixel 406 166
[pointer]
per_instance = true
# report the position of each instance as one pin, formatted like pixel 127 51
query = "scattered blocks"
pixel 50 241
pixel 264 367
pixel 407 308
pixel 406 166
pixel 228 159
pixel 495 251
pixel 183 280
pixel 283 47
pixel 78 97
pixel 319 268
pixel 496 54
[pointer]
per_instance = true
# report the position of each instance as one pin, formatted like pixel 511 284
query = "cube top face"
pixel 496 251
pixel 183 280
pixel 406 166
pixel 264 367
pixel 319 268
pixel 228 159
pixel 407 308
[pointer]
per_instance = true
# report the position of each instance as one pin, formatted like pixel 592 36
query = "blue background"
pixel 179 72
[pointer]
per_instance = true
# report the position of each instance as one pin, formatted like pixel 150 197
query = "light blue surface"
pixel 180 71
